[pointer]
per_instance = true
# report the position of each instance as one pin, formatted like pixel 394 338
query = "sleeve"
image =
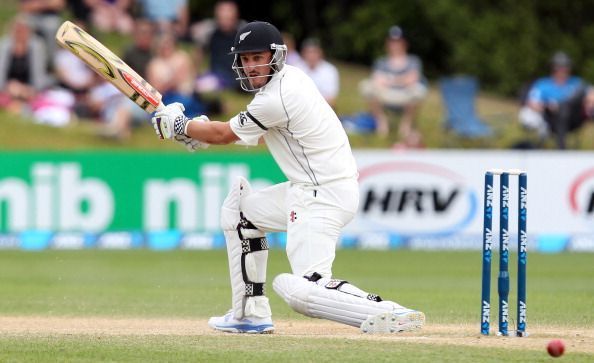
pixel 262 114
pixel 247 128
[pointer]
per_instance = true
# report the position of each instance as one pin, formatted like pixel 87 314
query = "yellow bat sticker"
pixel 106 70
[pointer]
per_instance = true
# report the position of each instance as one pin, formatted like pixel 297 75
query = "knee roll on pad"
pixel 331 299
pixel 247 250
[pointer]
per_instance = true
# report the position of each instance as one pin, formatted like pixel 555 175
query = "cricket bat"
pixel 109 66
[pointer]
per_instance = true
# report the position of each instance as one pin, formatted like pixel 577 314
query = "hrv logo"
pixel 581 195
pixel 414 198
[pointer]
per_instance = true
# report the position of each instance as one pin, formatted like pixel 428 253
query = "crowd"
pixel 52 86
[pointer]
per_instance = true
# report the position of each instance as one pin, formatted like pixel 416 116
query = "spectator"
pixel 172 74
pixel 556 103
pixel 118 114
pixel 74 77
pixel 323 73
pixel 139 54
pixel 23 71
pixel 45 18
pixel 215 40
pixel 171 66
pixel 293 56
pixel 71 72
pixel 104 99
pixel 80 12
pixel 396 84
pixel 111 15
pixel 169 16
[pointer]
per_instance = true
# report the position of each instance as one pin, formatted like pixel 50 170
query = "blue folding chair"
pixel 459 94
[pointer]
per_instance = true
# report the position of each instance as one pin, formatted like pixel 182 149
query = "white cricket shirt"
pixel 301 130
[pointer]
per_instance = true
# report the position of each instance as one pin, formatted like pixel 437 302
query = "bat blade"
pixel 109 66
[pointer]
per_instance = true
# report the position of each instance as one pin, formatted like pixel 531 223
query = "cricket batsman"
pixel 321 196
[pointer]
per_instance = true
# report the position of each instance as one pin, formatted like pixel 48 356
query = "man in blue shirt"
pixel 555 103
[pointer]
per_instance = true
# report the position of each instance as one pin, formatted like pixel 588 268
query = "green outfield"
pixel 149 306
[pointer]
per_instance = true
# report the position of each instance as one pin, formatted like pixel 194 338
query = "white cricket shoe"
pixel 396 321
pixel 250 325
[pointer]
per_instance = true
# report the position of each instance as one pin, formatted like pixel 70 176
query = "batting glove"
pixel 192 144
pixel 170 121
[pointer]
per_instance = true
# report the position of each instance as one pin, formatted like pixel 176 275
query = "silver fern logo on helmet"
pixel 243 35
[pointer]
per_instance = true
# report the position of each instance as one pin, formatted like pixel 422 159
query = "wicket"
pixel 503 277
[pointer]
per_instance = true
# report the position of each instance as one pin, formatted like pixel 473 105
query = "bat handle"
pixel 160 107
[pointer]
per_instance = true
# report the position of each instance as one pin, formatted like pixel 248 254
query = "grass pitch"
pixel 150 306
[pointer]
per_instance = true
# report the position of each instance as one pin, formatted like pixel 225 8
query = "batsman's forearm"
pixel 213 132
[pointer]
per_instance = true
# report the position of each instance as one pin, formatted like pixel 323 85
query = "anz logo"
pixel 486 311
pixel 523 242
pixel 505 197
pixel 523 198
pixel 522 314
pixel 415 198
pixel 488 239
pixel 504 311
pixel 490 195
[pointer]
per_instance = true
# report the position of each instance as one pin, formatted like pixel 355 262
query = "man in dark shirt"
pixel 216 46
pixel 139 54
pixel 220 60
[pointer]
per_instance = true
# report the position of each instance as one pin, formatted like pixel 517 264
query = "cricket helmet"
pixel 258 36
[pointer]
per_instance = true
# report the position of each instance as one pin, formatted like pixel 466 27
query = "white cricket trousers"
pixel 312 216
